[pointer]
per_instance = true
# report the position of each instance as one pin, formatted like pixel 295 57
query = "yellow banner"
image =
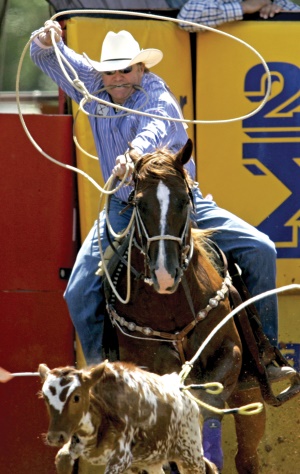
pixel 252 167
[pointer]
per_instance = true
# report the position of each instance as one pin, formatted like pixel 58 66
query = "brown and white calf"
pixel 122 417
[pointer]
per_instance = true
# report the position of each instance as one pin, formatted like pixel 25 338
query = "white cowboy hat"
pixel 120 50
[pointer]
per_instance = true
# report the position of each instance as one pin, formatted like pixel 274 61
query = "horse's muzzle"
pixel 164 283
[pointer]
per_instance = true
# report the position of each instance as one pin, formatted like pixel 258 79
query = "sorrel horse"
pixel 177 297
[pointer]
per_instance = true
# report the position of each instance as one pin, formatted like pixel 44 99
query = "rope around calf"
pixel 252 408
pixel 212 387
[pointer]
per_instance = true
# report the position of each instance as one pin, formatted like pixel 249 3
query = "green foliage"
pixel 22 17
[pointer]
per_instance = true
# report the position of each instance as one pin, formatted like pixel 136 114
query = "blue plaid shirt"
pixel 215 12
pixel 112 135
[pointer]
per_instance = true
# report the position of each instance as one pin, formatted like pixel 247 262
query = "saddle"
pixel 258 352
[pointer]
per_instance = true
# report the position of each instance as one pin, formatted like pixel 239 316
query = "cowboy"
pixel 122 76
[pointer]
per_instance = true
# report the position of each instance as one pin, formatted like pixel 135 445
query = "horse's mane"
pixel 203 244
pixel 161 164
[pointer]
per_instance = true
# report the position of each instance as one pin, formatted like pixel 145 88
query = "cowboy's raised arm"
pixel 44 56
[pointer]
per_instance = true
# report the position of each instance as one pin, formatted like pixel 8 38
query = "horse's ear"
pixel 43 371
pixel 186 152
pixel 134 155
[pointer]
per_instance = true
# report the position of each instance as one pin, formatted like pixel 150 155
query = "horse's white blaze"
pixel 52 390
pixel 164 278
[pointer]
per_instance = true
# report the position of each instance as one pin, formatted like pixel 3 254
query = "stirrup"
pixel 276 373
pixel 279 369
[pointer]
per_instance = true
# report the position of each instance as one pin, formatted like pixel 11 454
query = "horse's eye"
pixel 182 204
pixel 76 399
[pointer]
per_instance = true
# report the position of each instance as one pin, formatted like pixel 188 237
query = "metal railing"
pixel 31 102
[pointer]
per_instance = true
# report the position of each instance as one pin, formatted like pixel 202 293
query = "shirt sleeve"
pixel 155 133
pixel 287 5
pixel 209 13
pixel 152 132
pixel 45 58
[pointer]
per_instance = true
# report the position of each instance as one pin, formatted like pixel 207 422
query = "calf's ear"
pixel 43 370
pixel 94 374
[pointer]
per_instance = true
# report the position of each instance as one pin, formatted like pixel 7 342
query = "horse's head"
pixel 163 203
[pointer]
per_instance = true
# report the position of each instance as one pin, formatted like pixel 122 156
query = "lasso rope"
pixel 78 85
pixel 87 97
pixel 252 408
pixel 212 387
pixel 129 228
pixel 187 367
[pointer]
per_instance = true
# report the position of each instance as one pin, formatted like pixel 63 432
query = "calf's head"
pixel 66 394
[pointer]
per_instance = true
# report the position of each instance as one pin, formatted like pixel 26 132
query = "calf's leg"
pixel 187 468
pixel 63 461
pixel 155 469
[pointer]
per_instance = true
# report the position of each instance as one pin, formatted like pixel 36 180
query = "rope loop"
pixel 186 368
pixel 87 97
pixel 214 388
pixel 251 409
pixel 79 85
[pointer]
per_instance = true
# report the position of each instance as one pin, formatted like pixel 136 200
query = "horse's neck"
pixel 202 275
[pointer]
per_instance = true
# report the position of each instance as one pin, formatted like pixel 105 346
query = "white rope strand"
pixel 189 365
pixel 25 374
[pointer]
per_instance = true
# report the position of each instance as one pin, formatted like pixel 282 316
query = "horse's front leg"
pixel 224 367
pixel 249 430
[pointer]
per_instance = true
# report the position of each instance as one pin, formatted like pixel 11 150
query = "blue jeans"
pixel 252 250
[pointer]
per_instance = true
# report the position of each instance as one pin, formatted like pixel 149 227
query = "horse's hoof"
pixel 276 374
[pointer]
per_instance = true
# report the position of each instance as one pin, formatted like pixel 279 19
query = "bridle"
pixel 143 244
pixel 185 241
